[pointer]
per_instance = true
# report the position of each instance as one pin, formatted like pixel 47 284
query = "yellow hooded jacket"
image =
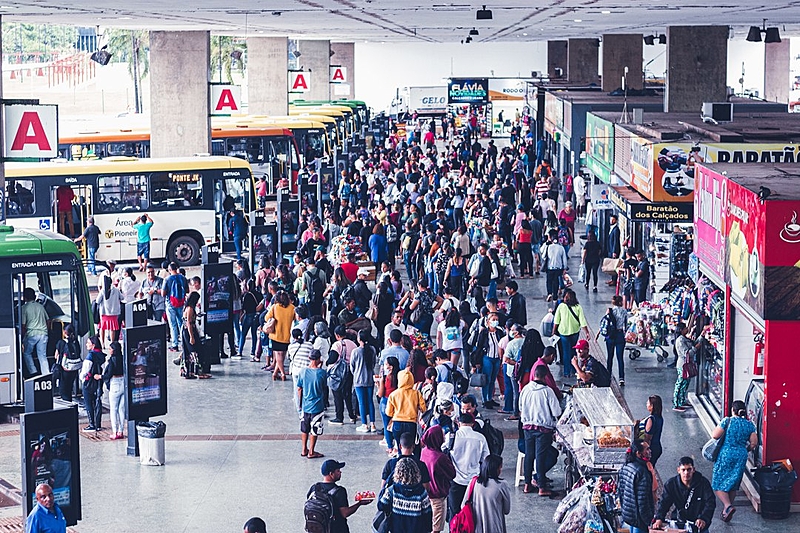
pixel 405 403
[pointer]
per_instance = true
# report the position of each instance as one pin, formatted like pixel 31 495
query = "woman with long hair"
pixel 109 303
pixel 68 357
pixel 568 322
pixel 335 292
pixel 362 366
pixel 406 500
pixel 649 429
pixel 128 286
pixel 449 335
pixel 456 273
pixel 491 497
pixel 282 313
pixel 532 350
pixel 249 318
pixel 740 439
pixel 90 376
pixel 384 300
pixel 114 378
pixel 387 383
pixel 525 249
pixel 191 341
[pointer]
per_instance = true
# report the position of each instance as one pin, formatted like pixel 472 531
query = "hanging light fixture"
pixel 772 35
pixel 474 32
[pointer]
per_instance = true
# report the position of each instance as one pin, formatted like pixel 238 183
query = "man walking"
pixel 46 515
pixel 310 389
pixel 554 258
pixel 175 289
pixel 92 237
pixel 469 451
pixel 143 225
pixel 691 495
pixel 516 304
pixel 34 333
pixel 539 411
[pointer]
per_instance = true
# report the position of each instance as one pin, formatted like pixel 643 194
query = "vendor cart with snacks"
pixel 647 328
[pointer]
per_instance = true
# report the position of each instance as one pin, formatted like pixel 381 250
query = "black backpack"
pixel 317 288
pixel 318 509
pixel 608 326
pixel 460 383
pixel 601 375
pixel 494 437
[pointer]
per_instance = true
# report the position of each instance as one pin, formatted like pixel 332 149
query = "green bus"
pixel 51 265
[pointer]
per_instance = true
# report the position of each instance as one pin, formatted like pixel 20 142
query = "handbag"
pixel 464 520
pixel 610 265
pixel 690 369
pixel 713 446
pixel 269 327
pixel 382 522
pixel 478 379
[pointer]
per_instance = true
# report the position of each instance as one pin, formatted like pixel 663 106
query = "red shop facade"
pixel 747 225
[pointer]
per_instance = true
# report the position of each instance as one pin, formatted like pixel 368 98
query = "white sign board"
pixel 299 81
pixel 428 99
pixel 600 198
pixel 508 89
pixel 338 74
pixel 30 131
pixel 226 99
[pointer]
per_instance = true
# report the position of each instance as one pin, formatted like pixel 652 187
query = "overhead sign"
pixel 338 74
pixel 427 100
pixel 31 131
pixel 553 114
pixel 639 209
pixel 599 147
pixel 507 89
pixel 600 198
pixel 468 91
pixel 710 201
pixel 226 99
pixel 299 81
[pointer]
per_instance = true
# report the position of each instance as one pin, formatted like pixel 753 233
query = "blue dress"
pixel 732 460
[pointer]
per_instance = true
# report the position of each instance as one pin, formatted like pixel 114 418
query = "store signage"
pixel 601 198
pixel 599 147
pixel 507 89
pixel 710 199
pixel 225 99
pixel 746 225
pixel 299 81
pixel 428 99
pixel 782 257
pixel 752 153
pixel 553 113
pixel 474 91
pixel 676 212
pixel 31 131
pixel 338 74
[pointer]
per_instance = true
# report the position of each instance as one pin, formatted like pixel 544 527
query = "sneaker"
pixel 353 420
pixel 363 428
pixel 176 361
pixel 372 428
pixel 622 383
pixel 336 422
pixel 89 428
pixel 679 409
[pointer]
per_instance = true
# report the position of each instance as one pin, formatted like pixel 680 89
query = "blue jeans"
pixel 237 327
pixel 425 323
pixel 387 433
pixel 616 345
pixel 491 366
pixel 92 264
pixel 634 529
pixel 512 394
pixel 568 352
pixel 539 450
pixel 492 291
pixel 398 428
pixel 175 324
pixel 409 268
pixel 365 404
pixel 39 342
pixel 249 324
pixel 237 242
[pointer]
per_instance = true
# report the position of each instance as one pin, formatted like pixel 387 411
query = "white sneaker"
pixel 363 428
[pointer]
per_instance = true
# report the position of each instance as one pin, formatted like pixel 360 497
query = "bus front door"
pixel 71 207
pixel 230 193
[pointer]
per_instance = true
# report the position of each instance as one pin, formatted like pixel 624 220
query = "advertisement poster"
pixel 218 296
pixel 553 113
pixel 751 153
pixel 473 91
pixel 265 242
pixel 600 197
pixel 145 371
pixel 599 147
pixel 782 276
pixel 507 89
pixel 746 226
pixel 50 451
pixel 710 201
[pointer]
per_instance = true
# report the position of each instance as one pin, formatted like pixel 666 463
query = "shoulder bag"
pixel 712 448
pixel 464 520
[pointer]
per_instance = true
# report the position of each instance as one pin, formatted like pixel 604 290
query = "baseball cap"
pixel 362 272
pixel 330 466
pixel 581 344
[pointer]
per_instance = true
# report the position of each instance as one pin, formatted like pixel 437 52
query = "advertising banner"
pixel 710 201
pixel 146 371
pixel 746 225
pixel 473 91
pixel 553 113
pixel 599 147
pixel 507 89
pixel 782 275
pixel 751 153
pixel 428 100
pixel 264 242
pixel 51 454
pixel 600 197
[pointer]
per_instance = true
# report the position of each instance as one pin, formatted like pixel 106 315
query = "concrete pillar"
pixel 315 56
pixel 267 65
pixel 776 71
pixel 556 58
pixel 179 109
pixel 697 67
pixel 620 51
pixel 583 56
pixel 344 55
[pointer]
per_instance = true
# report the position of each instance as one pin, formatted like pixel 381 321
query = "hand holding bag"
pixel 712 448
pixel 464 520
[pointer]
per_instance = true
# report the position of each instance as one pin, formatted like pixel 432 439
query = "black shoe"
pixel 89 428
pixel 336 422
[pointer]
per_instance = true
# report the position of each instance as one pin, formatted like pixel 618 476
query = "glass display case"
pixel 608 429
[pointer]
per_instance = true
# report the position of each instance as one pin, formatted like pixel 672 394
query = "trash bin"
pixel 151 442
pixel 775 485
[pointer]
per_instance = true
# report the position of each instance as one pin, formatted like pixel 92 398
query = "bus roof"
pixel 328 111
pixel 219 129
pixel 121 164
pixel 24 242
pixel 288 122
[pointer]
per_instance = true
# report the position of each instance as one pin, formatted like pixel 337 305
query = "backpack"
pixel 391 232
pixel 494 437
pixel 347 293
pixel 177 292
pixel 318 510
pixel 346 189
pixel 602 377
pixel 460 383
pixel 317 288
pixel 608 326
pixel 563 236
pixel 336 374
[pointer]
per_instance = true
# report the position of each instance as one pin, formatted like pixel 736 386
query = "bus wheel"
pixel 185 251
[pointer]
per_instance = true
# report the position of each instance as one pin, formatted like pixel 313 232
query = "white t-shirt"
pixel 451 337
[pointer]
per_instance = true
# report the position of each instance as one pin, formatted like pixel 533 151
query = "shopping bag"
pixel 582 274
pixel 610 265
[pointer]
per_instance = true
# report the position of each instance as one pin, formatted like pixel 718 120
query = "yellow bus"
pixel 188 199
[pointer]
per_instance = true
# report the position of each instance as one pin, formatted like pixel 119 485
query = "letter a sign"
pixel 30 131
pixel 298 81
pixel 225 99
pixel 338 74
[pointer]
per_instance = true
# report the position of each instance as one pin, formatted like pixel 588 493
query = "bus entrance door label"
pixel 31 131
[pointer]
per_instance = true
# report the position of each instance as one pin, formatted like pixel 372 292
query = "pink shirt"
pixel 549 379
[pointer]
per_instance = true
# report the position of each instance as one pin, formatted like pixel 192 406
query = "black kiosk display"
pixel 310 195
pixel 145 354
pixel 288 222
pixel 51 454
pixel 263 239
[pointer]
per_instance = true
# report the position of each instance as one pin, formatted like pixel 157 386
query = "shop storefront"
pixel 749 240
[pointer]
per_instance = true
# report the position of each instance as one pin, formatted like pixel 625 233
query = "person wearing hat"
pixel 331 473
pixel 361 292
pixel 590 371
pixel 92 237
pixel 311 382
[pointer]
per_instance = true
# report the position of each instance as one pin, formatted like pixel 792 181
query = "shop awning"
pixel 637 208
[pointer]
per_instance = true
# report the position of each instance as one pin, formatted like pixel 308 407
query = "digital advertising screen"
pixel 218 296
pixel 474 91
pixel 51 454
pixel 145 371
